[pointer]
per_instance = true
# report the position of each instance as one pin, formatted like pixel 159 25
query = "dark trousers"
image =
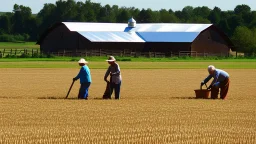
pixel 84 90
pixel 224 86
pixel 117 88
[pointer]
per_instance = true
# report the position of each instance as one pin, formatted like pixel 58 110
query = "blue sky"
pixel 37 5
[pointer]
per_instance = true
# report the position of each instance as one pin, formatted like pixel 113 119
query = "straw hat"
pixel 111 59
pixel 82 61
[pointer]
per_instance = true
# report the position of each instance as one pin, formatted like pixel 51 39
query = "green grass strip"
pixel 131 65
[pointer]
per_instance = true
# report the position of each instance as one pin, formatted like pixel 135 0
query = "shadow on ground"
pixel 188 98
pixel 55 98
pixel 73 98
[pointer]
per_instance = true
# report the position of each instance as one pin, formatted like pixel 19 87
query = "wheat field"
pixel 156 106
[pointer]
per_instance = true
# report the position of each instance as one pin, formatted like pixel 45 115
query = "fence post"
pixel 0 54
pixel 11 52
pixel 15 52
pixel 3 52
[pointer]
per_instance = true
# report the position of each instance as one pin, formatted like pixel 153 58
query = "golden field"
pixel 156 106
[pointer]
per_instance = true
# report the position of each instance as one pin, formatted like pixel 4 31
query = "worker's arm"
pixel 78 75
pixel 106 74
pixel 117 72
pixel 215 80
pixel 206 79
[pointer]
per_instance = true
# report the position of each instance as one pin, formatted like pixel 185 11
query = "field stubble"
pixel 156 106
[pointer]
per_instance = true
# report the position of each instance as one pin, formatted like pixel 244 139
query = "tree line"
pixel 21 25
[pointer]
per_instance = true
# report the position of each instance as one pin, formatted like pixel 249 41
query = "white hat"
pixel 82 61
pixel 211 68
pixel 111 59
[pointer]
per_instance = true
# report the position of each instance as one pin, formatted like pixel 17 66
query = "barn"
pixel 166 38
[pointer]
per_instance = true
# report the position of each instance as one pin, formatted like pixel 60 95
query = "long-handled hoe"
pixel 70 89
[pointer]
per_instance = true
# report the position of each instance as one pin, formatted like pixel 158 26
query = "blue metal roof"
pixel 168 36
pixel 153 32
pixel 111 36
pixel 147 27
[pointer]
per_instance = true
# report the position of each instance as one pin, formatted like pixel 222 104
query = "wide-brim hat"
pixel 82 61
pixel 111 59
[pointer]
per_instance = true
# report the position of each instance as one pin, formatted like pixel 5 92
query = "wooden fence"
pixel 197 54
pixel 127 53
pixel 121 53
pixel 18 52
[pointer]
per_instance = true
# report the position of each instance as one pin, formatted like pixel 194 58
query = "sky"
pixel 37 5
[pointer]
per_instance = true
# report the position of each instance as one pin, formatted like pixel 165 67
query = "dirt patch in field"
pixel 156 106
pixel 137 84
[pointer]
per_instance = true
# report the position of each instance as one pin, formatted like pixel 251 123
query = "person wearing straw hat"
pixel 85 79
pixel 115 76
pixel 221 81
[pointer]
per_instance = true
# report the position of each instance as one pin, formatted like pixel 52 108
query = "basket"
pixel 202 93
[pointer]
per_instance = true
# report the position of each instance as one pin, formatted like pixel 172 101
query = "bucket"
pixel 202 93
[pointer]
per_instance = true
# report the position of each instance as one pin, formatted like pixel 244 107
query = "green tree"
pixel 252 24
pixel 92 9
pixel 165 16
pixel 254 41
pixel 245 12
pixel 242 9
pixel 224 26
pixel 155 17
pixel 134 12
pixel 215 15
pixel 235 21
pixel 244 39
pixel 187 12
pixel 178 14
pixel 80 12
pixel 46 17
pixel 203 12
pixel 5 24
pixel 198 19
pixel 20 19
pixel 32 31
pixel 123 15
pixel 145 16
pixel 65 10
